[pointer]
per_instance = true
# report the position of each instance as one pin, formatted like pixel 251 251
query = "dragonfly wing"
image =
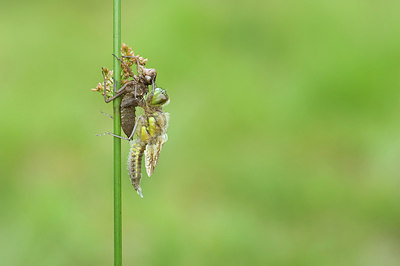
pixel 152 153
pixel 149 155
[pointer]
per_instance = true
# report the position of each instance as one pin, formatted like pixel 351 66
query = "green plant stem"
pixel 117 131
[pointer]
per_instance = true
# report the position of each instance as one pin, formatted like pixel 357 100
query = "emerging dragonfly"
pixel 150 127
pixel 151 134
pixel 151 130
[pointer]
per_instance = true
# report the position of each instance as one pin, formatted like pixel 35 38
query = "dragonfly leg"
pixel 128 56
pixel 118 93
pixel 115 85
pixel 109 133
pixel 137 61
pixel 126 66
pixel 136 124
pixel 114 97
pixel 110 116
pixel 136 58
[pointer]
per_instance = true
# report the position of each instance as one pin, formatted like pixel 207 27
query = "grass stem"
pixel 117 131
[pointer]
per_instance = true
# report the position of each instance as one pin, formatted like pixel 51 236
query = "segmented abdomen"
pixel 135 163
pixel 128 104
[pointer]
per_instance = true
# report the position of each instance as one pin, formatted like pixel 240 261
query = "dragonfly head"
pixel 149 74
pixel 160 97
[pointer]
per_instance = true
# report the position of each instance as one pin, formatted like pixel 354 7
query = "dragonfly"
pixel 148 132
pixel 148 136
pixel 151 130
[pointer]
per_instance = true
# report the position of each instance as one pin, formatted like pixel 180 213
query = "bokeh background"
pixel 284 139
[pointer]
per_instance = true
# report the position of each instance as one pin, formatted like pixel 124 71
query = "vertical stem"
pixel 117 131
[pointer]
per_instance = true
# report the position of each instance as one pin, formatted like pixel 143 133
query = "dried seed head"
pixel 126 50
pixel 109 82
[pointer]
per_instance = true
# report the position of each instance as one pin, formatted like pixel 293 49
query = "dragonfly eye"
pixel 160 97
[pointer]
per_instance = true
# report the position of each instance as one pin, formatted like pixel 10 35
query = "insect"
pixel 151 130
pixel 151 126
pixel 132 90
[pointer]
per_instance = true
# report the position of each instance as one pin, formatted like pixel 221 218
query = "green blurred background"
pixel 284 138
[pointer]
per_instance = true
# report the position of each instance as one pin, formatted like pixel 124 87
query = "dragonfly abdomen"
pixel 135 164
pixel 128 104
